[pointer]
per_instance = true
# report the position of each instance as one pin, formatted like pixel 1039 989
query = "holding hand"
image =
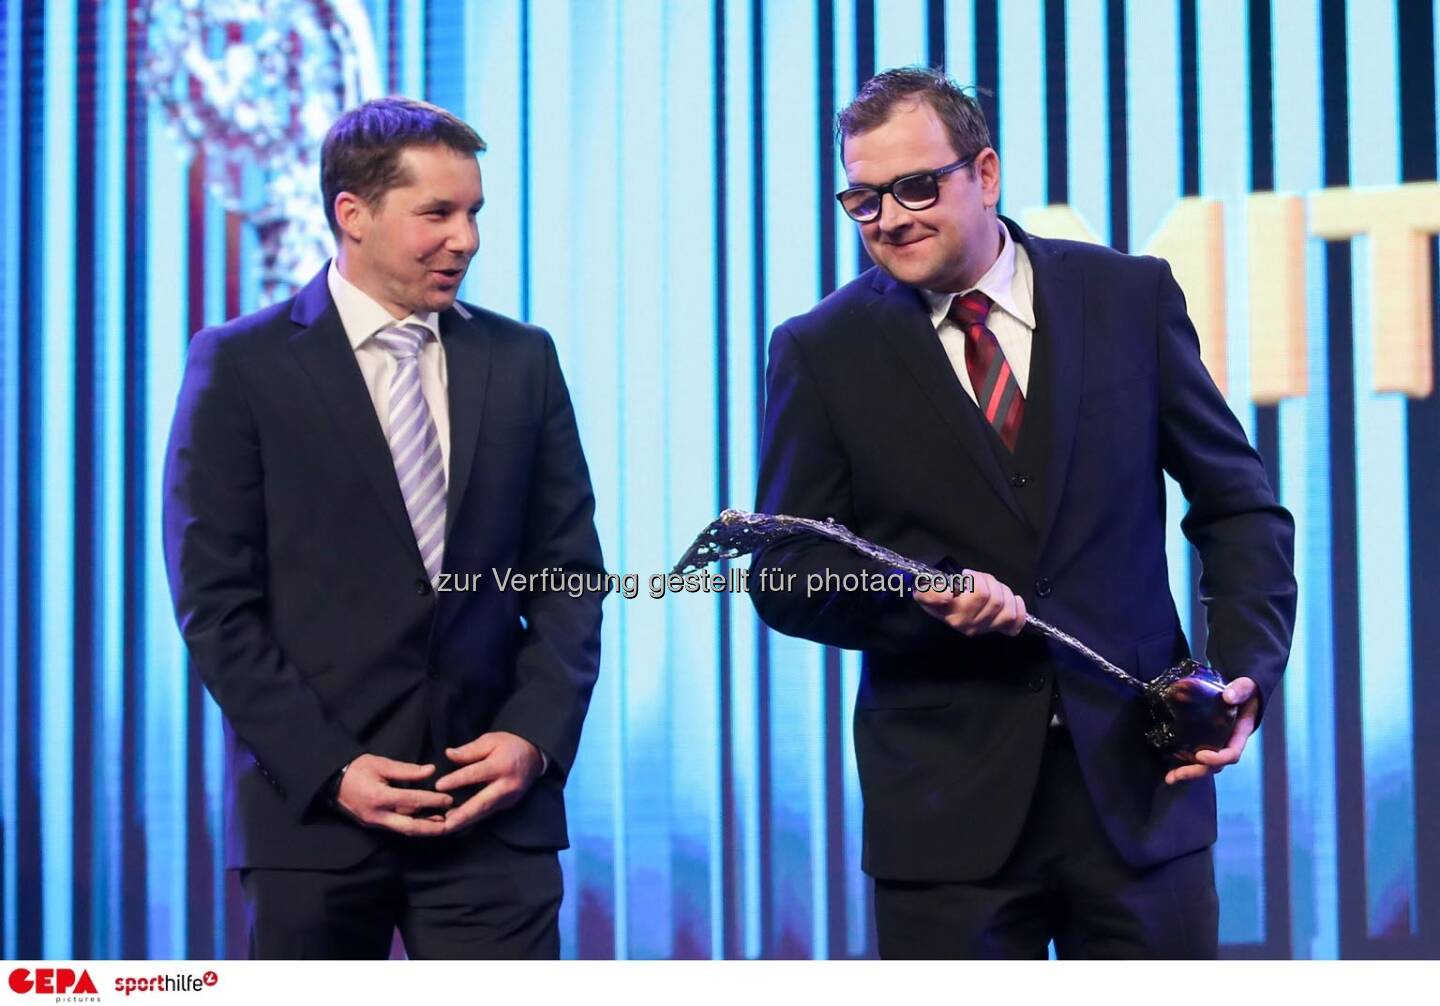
pixel 1240 692
pixel 503 764
pixel 990 607
pixel 367 796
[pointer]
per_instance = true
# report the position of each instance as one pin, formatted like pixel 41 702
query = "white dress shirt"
pixel 362 317
pixel 1010 285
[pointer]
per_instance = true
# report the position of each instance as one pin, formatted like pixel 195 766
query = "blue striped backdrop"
pixel 658 196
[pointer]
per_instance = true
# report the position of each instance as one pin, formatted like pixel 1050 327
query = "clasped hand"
pixel 504 765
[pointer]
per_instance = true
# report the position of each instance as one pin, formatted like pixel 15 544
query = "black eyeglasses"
pixel 914 192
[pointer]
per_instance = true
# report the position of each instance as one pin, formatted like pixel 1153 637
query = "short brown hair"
pixel 361 153
pixel 959 112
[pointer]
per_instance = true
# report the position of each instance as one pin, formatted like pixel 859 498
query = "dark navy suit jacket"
pixel 866 422
pixel 301 593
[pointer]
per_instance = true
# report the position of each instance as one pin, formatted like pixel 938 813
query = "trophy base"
pixel 1189 710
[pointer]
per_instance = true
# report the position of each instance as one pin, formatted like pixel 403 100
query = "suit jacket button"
pixel 1043 587
pixel 1018 481
pixel 422 586
pixel 1037 682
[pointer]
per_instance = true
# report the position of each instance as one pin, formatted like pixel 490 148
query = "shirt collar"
pixel 1006 286
pixel 361 316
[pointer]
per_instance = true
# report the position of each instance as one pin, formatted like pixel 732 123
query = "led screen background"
pixel 658 189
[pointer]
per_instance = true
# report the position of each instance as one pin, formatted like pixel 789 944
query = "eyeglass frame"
pixel 881 191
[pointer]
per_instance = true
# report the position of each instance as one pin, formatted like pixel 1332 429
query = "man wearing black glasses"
pixel 992 402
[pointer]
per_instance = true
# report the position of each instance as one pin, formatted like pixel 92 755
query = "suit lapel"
pixel 467 368
pixel 907 328
pixel 1060 313
pixel 327 357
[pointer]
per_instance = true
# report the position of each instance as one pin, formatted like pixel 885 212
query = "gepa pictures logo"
pixel 51 981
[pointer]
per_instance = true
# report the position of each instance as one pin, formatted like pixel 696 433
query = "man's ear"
pixel 352 216
pixel 987 165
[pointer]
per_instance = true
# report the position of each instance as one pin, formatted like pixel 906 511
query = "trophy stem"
pixel 1064 638
pixel 736 532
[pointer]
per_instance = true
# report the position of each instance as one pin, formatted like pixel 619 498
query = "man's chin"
pixel 439 301
pixel 911 273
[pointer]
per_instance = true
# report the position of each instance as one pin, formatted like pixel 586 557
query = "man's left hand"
pixel 503 765
pixel 1240 692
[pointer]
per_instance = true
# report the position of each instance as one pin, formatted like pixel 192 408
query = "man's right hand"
pixel 990 607
pixel 367 796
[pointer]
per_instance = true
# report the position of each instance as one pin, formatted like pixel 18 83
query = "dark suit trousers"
pixel 1063 882
pixel 467 896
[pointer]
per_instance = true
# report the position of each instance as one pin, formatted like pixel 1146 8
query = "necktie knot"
pixel 403 341
pixel 970 309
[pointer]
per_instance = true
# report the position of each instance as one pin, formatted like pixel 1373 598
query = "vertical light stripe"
pixel 249 254
pixel 166 736
pixel 1382 506
pixel 1223 69
pixel 1022 106
pixel 55 473
pixel 1310 728
pixel 641 257
pixel 556 74
pixel 492 32
pixel 857 885
pixel 791 284
pixel 412 48
pixel 9 479
pixel 1305 489
pixel 847 266
pixel 742 448
pixel 215 266
pixel 571 186
pixel 960 41
pixel 847 247
pixel 901 33
pixel 496 106
pixel 379 11
pixel 448 27
pixel 212 721
pixel 687 292
pixel 1222 31
pixel 1087 114
pixel 1152 96
pixel 110 497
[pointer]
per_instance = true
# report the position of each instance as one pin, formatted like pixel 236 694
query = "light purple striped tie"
pixel 415 446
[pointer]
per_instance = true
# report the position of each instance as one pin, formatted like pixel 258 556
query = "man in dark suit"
pixel 992 402
pixel 350 475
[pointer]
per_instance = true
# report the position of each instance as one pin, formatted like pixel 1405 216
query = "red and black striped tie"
pixel 996 390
